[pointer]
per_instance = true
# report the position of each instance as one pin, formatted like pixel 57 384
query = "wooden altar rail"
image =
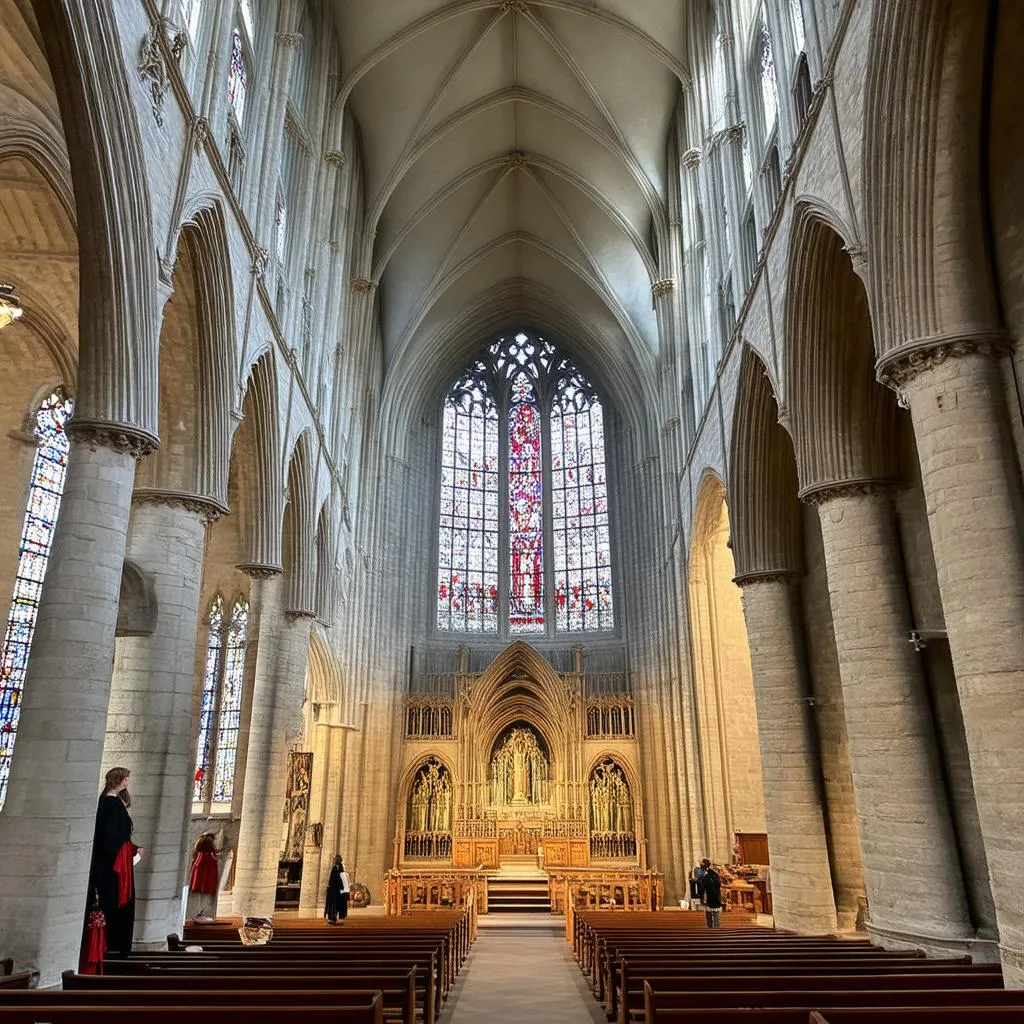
pixel 406 892
pixel 626 890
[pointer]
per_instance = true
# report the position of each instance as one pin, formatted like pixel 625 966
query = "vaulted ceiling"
pixel 514 162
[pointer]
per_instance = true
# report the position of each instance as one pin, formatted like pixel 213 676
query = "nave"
pixel 520 969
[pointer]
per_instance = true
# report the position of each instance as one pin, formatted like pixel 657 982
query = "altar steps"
pixel 507 895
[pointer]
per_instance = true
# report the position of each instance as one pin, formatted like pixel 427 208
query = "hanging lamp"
pixel 10 308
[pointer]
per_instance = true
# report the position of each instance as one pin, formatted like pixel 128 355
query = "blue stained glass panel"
pixel 45 490
pixel 582 562
pixel 467 585
pixel 207 708
pixel 229 718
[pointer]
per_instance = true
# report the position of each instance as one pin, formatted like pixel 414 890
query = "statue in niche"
pixel 519 769
pixel 430 802
pixel 611 809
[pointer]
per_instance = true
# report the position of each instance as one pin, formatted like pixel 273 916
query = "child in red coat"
pixel 204 875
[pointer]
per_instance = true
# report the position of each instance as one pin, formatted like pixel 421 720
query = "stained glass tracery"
pixel 525 510
pixel 579 516
pixel 467 586
pixel 44 496
pixel 769 83
pixel 220 710
pixel 551 421
pixel 238 76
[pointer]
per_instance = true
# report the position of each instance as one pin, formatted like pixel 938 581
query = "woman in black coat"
pixel 336 904
pixel 112 872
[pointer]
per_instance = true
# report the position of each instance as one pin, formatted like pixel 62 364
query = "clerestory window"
pixel 523 535
pixel 221 706
pixel 44 496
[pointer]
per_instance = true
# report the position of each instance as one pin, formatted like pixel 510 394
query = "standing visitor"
pixel 203 878
pixel 710 885
pixel 112 873
pixel 337 892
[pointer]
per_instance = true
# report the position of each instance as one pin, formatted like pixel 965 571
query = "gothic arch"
pixel 255 462
pixel 196 368
pixel 118 273
pixel 726 714
pixel 299 530
pixel 931 267
pixel 765 512
pixel 843 420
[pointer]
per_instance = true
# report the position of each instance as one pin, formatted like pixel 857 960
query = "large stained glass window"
pixel 525 510
pixel 229 721
pixel 221 704
pixel 467 579
pixel 238 76
pixel 579 509
pixel 769 84
pixel 45 490
pixel 523 428
pixel 208 705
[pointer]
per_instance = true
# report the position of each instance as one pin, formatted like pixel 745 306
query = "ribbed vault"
pixel 513 147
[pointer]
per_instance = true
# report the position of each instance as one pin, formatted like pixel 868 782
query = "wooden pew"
pixel 362 1010
pixel 280 995
pixel 277 974
pixel 252 962
pixel 397 988
pixel 878 1015
pixel 658 1002
pixel 19 980
pixel 926 975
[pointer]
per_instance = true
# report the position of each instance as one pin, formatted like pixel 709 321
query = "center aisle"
pixel 521 969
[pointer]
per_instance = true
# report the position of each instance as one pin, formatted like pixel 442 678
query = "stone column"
pixel 149 727
pixel 912 872
pixel 312 856
pixel 972 490
pixel 275 725
pixel 802 894
pixel 46 828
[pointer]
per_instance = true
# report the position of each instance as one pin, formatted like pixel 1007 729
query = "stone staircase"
pixel 518 887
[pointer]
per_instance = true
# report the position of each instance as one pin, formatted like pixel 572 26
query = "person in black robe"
pixel 112 872
pixel 336 904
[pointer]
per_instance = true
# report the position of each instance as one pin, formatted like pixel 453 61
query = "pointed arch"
pixel 843 420
pixel 765 511
pixel 256 459
pixel 300 549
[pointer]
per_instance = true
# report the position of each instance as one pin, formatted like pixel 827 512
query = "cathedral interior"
pixel 523 446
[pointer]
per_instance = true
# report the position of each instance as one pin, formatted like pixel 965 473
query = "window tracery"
pixel 221 705
pixel 769 82
pixel 548 464
pixel 238 76
pixel 43 507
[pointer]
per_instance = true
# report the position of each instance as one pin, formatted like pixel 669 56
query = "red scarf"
pixel 123 868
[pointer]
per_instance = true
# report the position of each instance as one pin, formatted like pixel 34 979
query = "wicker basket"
pixel 257 931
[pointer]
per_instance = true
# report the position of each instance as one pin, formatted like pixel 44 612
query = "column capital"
pixel 209 509
pixel 362 285
pixel 290 40
pixel 118 437
pixel 750 579
pixel 298 614
pixel 832 490
pixel 335 157
pixel 259 571
pixel 691 159
pixel 665 286
pixel 899 367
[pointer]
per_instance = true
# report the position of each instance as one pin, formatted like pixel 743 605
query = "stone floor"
pixel 521 969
